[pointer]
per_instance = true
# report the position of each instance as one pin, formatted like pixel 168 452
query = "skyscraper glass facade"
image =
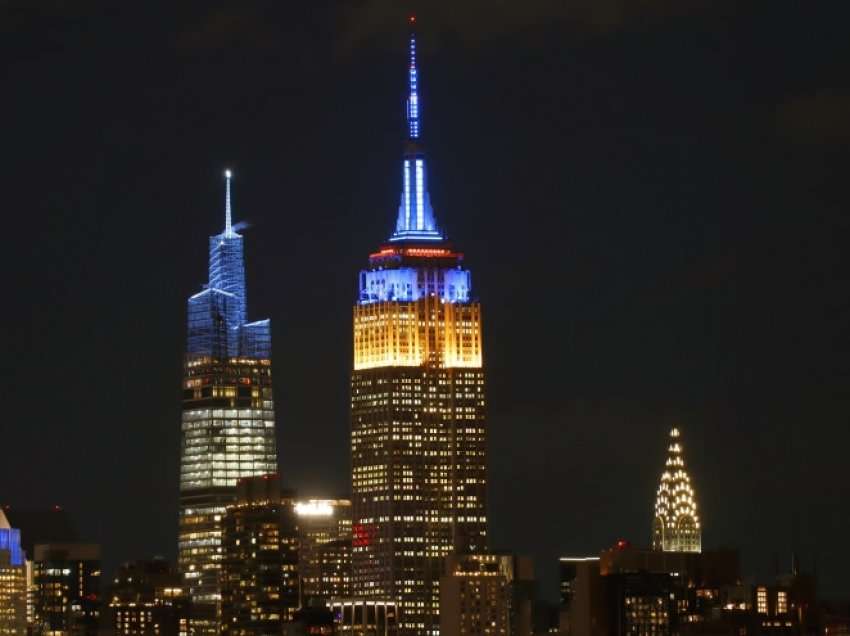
pixel 418 432
pixel 228 424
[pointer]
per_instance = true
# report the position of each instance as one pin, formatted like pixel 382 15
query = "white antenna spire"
pixel 228 216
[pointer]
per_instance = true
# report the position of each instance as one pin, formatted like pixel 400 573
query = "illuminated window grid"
pixel 781 602
pixel 761 600
pixel 408 426
pixel 427 331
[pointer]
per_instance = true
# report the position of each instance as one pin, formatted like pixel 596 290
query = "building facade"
pixel 676 524
pixel 335 570
pixel 568 571
pixel 627 590
pixel 259 576
pixel 67 589
pixel 13 581
pixel 486 595
pixel 311 621
pixel 358 617
pixel 418 432
pixel 228 425
pixel 324 552
pixel 148 598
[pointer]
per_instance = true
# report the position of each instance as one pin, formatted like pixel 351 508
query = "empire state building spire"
pixel 676 527
pixel 413 90
pixel 416 220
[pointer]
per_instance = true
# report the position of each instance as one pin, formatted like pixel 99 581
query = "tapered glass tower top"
pixel 217 314
pixel 416 220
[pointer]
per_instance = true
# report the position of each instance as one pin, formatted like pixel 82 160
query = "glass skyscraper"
pixel 418 432
pixel 228 429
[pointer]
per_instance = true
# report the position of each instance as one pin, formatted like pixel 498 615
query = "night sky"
pixel 652 197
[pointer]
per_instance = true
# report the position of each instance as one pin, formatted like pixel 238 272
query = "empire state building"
pixel 418 429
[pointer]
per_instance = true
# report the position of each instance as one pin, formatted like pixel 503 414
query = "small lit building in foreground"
pixel 488 594
pixel 148 597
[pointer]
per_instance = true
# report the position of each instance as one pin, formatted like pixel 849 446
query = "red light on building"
pixel 387 251
pixel 361 535
pixel 622 544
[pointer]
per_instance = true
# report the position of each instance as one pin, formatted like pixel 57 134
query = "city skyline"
pixel 688 272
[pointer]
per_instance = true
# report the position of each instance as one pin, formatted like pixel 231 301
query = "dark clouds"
pixel 228 27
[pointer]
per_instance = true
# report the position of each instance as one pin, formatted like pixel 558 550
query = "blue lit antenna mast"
pixel 415 216
pixel 228 216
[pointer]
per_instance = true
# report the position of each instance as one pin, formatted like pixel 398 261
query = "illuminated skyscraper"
pixel 676 526
pixel 228 417
pixel 417 406
pixel 13 581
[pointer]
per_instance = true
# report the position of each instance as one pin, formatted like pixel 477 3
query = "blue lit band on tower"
pixel 13 580
pixel 228 426
pixel 418 431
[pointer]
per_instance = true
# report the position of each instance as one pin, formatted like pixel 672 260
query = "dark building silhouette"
pixel 635 591
pixel 259 572
pixel 148 597
pixel 66 580
pixel 568 572
pixel 311 621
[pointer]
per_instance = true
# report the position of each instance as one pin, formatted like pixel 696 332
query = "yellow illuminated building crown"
pixel 676 526
pixel 427 331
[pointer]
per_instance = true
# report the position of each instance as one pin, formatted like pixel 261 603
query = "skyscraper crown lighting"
pixel 676 525
pixel 417 246
pixel 217 324
pixel 416 220
pixel 10 540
